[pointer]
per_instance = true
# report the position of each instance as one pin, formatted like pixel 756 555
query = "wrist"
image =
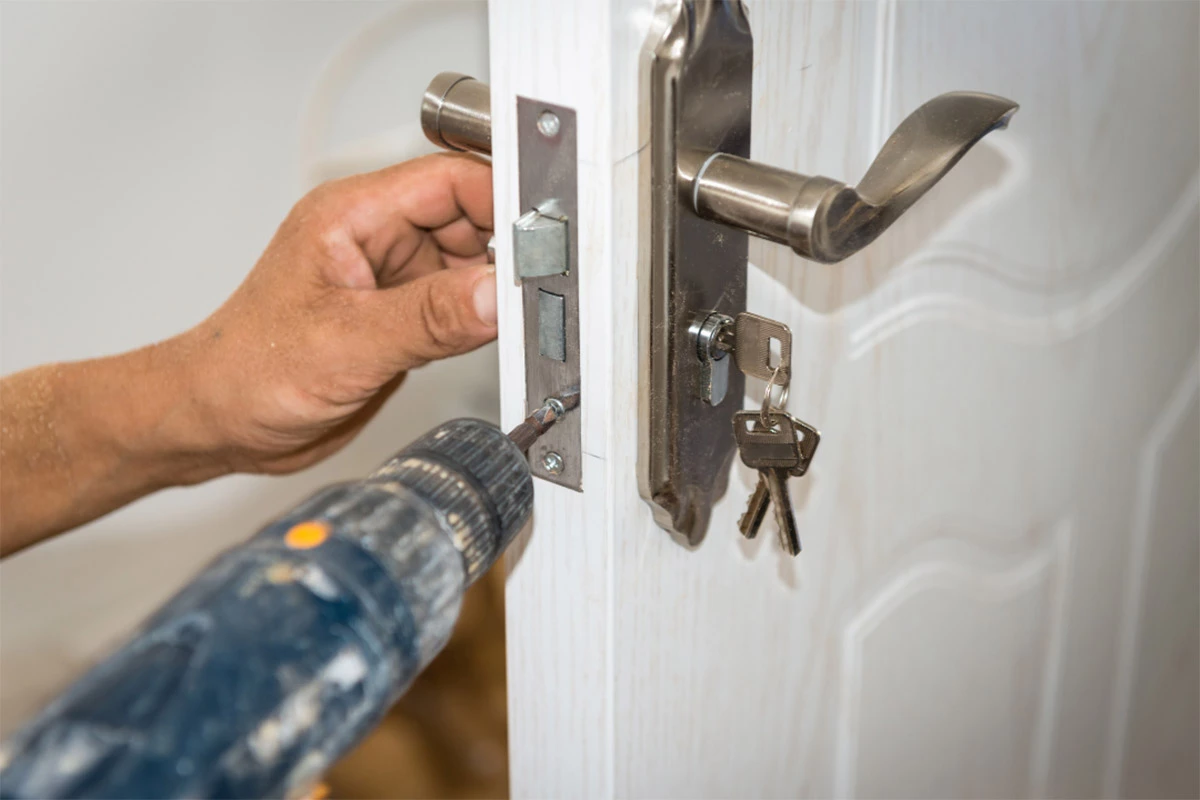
pixel 82 439
pixel 164 431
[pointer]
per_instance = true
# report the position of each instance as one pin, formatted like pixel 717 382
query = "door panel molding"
pixel 986 579
pixel 1162 433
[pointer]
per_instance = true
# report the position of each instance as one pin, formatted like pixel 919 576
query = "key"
pixel 810 437
pixel 748 337
pixel 777 452
pixel 760 498
pixel 759 447
pixel 774 451
pixel 789 538
pixel 778 445
pixel 752 347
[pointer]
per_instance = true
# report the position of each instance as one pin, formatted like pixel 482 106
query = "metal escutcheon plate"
pixel 696 84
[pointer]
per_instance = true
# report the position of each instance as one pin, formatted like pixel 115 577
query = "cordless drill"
pixel 288 649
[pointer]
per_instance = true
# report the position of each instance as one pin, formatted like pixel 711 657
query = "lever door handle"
pixel 826 220
pixel 698 83
pixel 820 218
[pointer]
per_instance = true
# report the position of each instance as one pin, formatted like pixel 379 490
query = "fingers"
pixel 455 262
pixel 456 245
pixel 432 317
pixel 461 238
pixel 435 190
pixel 426 258
pixel 446 194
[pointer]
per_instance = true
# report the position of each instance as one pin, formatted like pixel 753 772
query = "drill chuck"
pixel 479 481
pixel 286 650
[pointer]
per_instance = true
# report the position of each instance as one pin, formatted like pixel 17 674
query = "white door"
pixel 999 590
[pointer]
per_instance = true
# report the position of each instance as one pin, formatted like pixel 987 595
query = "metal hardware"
pixel 456 114
pixel 707 331
pixel 770 443
pixel 549 276
pixel 542 241
pixel 696 80
pixel 752 349
pixel 756 509
pixel 711 333
pixel 772 449
pixel 824 219
pixel 749 338
pixel 548 123
pixel 781 501
pixel 779 377
pixel 704 195
pixel 557 406
pixel 552 325
pixel 779 446
pixel 553 463
pixel 775 444
pixel 810 438
pixel 784 442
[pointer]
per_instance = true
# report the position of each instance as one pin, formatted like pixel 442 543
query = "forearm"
pixel 367 278
pixel 78 440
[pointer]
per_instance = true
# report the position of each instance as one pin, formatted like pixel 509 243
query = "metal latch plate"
pixel 545 236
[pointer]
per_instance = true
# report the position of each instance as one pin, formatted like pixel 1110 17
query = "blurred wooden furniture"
pixel 447 736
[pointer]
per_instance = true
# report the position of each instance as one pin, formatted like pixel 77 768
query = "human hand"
pixel 367 277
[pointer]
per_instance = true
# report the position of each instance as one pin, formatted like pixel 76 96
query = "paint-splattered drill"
pixel 288 649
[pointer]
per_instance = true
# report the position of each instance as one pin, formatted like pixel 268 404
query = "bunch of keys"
pixel 770 440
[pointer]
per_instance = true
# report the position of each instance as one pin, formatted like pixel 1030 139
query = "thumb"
pixel 442 314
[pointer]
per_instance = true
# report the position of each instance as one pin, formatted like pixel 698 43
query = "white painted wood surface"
pixel 1000 588
pixel 560 583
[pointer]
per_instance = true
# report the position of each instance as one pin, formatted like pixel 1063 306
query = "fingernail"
pixel 485 298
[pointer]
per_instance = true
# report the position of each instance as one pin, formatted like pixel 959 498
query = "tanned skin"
pixel 367 278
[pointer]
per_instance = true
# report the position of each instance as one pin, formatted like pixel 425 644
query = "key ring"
pixel 783 397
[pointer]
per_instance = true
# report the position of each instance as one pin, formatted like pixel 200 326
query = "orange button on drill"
pixel 306 535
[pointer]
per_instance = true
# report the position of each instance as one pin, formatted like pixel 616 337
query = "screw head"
pixel 553 463
pixel 549 124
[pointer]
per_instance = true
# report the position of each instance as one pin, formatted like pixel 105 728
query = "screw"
pixel 553 463
pixel 548 124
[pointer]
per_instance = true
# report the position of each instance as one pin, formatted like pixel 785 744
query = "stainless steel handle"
pixel 456 113
pixel 696 84
pixel 820 218
pixel 826 220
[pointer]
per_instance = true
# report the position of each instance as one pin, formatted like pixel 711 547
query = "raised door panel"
pixel 969 615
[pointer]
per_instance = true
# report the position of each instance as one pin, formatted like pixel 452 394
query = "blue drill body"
pixel 288 649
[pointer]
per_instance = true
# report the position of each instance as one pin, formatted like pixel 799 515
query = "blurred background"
pixel 149 150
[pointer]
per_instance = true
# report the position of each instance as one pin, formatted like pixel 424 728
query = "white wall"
pixel 147 153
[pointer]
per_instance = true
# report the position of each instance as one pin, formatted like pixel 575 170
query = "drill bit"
pixel 537 423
